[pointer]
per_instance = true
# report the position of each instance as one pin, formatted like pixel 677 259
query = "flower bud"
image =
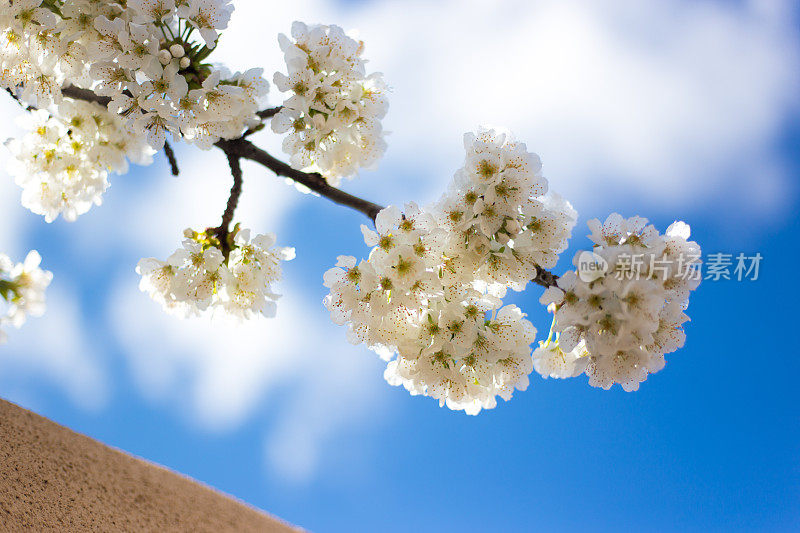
pixel 185 62
pixel 512 226
pixel 177 50
pixel 164 57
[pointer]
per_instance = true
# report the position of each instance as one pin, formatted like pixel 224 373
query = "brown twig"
pixel 314 181
pixel 263 115
pixel 76 93
pixel 173 161
pixel 223 230
pixel 269 113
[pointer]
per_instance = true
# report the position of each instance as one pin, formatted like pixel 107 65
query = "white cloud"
pixel 339 392
pixel 13 223
pixel 221 373
pixel 58 349
pixel 216 370
pixel 667 101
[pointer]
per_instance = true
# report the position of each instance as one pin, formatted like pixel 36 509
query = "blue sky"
pixel 680 110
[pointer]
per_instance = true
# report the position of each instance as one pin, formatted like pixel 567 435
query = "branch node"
pixel 545 278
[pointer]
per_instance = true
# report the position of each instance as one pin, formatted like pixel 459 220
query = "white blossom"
pixel 22 290
pixel 62 163
pixel 333 116
pixel 143 56
pixel 207 16
pixel 203 275
pixel 551 361
pixel 504 221
pixel 428 298
pixel 630 313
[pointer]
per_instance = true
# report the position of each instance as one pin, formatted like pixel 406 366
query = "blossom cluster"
pixel 503 222
pixel 63 160
pixel 141 54
pixel 334 113
pixel 234 277
pixel 22 286
pixel 429 297
pixel 615 320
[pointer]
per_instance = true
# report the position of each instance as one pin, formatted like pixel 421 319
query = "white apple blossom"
pixel 62 163
pixel 333 116
pixel 141 54
pixel 204 275
pixel 451 341
pixel 207 16
pixel 428 299
pixel 22 290
pixel 503 219
pixel 551 361
pixel 629 314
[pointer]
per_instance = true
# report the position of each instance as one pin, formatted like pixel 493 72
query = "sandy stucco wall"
pixel 54 479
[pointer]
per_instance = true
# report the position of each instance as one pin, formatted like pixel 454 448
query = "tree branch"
pixel 269 113
pixel 237 149
pixel 314 181
pixel 223 230
pixel 244 149
pixel 76 93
